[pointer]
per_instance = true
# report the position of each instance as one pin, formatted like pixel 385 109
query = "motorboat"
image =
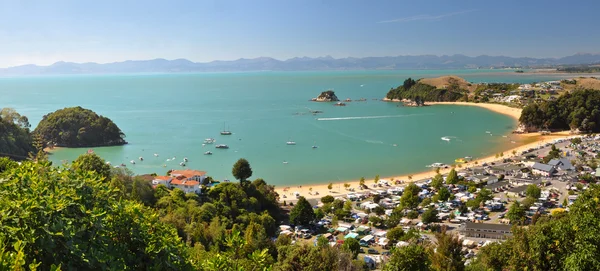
pixel 315 146
pixel 156 155
pixel 208 153
pixel 141 158
pixel 185 159
pixel 285 162
pixel 222 146
pixel 437 165
pixel 133 162
pixel 182 164
pixel 209 141
pixel 291 142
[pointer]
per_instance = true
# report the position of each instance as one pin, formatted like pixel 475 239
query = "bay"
pixel 172 114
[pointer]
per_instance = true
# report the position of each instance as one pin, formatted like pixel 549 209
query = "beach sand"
pixel 530 140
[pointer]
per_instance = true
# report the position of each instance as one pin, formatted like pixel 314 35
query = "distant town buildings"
pixel 189 181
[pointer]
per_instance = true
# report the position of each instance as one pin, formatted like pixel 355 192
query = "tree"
pixel 485 195
pixel 241 170
pixel 16 141
pixel 330 186
pixel 376 180
pixel 352 246
pixel 92 162
pixel 444 194
pixel 447 254
pixel 379 210
pixel 410 197
pixel 533 191
pixel 516 213
pixel 429 216
pixel 302 213
pixel 346 186
pixel 79 127
pixel 79 216
pixel 395 234
pixel 437 181
pixel 327 199
pixel 362 181
pixel 553 154
pixel 408 258
pixel 452 177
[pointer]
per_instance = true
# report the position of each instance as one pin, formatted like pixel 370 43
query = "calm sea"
pixel 172 114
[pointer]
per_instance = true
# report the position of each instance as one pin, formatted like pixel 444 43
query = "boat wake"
pixel 372 117
pixel 448 138
pixel 374 141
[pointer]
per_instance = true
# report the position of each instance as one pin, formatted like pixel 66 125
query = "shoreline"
pixel 338 189
pixel 512 112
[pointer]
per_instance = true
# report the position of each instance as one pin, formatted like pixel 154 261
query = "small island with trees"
pixel 416 93
pixel 78 127
pixel 326 96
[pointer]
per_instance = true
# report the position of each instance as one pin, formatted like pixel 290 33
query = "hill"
pixel 441 89
pixel 581 83
pixel 302 64
pixel 447 81
pixel 79 127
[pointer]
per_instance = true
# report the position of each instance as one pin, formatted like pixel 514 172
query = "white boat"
pixel 488 132
pixel 437 165
pixel 209 141
pixel 315 146
pixel 133 162
pixel 208 153
pixel 225 132
pixel 291 143
pixel 156 155
pixel 222 146
pixel 185 159
pixel 445 138
pixel 108 163
pixel 182 164
pixel 141 158
pixel 285 162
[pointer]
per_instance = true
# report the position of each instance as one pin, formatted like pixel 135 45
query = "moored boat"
pixel 222 146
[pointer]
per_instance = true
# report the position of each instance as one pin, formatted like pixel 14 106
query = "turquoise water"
pixel 171 115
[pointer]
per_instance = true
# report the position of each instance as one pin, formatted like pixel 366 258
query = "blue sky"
pixel 43 32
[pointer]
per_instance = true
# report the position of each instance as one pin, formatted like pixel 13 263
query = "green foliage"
pixel 533 191
pixel 75 220
pixel 327 199
pixel 565 242
pixel 516 213
pixel 576 141
pixel 484 195
pixel 452 177
pixel 79 127
pixel 302 213
pixel 423 92
pixel 444 194
pixel 395 234
pixel 15 139
pixel 579 109
pixel 352 246
pixel 410 198
pixel 241 170
pixel 408 258
pixel 447 255
pixel 437 181
pixel 429 216
pixel 92 162
pixel 412 214
pixel 309 257
pixel 7 164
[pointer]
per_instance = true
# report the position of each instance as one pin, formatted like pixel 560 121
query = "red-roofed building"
pixel 187 180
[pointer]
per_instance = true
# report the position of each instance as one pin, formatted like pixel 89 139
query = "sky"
pixel 43 32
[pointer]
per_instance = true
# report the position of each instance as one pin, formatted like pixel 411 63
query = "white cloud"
pixel 426 17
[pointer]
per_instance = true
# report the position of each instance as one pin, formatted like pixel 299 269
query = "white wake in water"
pixel 372 117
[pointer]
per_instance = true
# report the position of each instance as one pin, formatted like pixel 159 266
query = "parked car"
pixel 372 251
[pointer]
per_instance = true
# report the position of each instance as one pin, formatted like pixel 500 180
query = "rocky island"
pixel 78 127
pixel 326 96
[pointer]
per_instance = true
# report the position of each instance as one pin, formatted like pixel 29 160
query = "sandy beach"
pixel 533 140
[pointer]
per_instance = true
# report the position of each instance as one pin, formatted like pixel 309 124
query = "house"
pixel 189 181
pixel 485 230
pixel 562 164
pixel 517 191
pixel 164 180
pixel 543 169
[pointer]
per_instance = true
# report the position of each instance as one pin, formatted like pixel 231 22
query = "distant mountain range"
pixel 303 64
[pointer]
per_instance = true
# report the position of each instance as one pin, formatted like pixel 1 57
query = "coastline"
pixel 338 189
